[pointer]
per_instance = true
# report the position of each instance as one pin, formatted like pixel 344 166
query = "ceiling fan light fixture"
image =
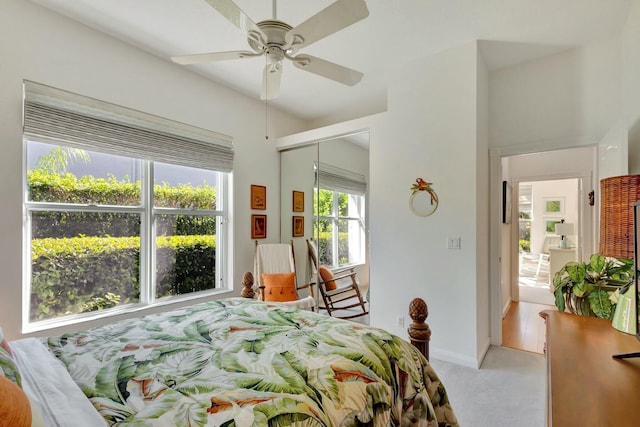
pixel 274 54
pixel 274 68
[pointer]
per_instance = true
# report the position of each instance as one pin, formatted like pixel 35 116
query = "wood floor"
pixel 523 328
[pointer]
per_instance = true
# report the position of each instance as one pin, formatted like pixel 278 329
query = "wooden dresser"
pixel 585 385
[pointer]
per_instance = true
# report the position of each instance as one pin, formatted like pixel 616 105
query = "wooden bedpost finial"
pixel 247 283
pixel 419 332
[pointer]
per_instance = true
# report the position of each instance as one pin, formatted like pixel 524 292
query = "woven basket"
pixel 617 195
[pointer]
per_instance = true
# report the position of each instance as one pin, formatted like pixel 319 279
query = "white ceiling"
pixel 396 32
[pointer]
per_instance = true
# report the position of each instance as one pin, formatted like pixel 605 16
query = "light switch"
pixel 453 242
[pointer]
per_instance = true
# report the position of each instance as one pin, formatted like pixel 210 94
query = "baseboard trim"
pixel 484 352
pixel 458 359
pixel 506 308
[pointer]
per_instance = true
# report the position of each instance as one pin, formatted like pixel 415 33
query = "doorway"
pixel 542 205
pixel 515 167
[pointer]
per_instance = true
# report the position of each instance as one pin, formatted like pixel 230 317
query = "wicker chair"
pixel 339 288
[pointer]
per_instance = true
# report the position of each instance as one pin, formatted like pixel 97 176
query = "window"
pixel 340 224
pixel 340 228
pixel 525 216
pixel 113 220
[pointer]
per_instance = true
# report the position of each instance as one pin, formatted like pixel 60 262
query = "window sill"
pixel 98 318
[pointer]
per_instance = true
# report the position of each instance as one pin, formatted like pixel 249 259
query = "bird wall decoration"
pixel 422 185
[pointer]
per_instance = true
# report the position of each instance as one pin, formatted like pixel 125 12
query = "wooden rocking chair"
pixel 339 288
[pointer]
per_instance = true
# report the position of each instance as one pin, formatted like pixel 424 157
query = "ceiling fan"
pixel 277 40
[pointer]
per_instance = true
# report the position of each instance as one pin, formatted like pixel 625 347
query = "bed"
pixel 230 362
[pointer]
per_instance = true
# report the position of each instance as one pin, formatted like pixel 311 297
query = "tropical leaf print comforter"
pixel 239 362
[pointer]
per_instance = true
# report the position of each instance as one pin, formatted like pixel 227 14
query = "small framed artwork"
pixel 506 202
pixel 258 197
pixel 298 201
pixel 554 205
pixel 258 226
pixel 550 225
pixel 298 226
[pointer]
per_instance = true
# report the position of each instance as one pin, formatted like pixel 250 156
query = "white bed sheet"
pixel 47 383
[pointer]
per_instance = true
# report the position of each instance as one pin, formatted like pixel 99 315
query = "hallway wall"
pixel 567 191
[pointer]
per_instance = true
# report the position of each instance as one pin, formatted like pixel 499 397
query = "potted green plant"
pixel 592 289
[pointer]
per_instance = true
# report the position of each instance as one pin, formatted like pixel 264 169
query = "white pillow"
pixel 50 388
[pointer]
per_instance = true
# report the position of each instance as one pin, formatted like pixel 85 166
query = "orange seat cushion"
pixel 327 275
pixel 279 287
pixel 15 409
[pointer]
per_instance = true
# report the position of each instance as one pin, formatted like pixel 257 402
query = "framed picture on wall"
pixel 550 225
pixel 258 197
pixel 506 202
pixel 553 205
pixel 298 226
pixel 258 226
pixel 298 201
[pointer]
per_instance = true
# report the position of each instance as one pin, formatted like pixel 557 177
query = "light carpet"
pixel 508 389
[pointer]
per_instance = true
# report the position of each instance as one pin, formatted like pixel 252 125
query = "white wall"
pixel 631 83
pixel 345 155
pixel 613 152
pixel 567 191
pixel 39 45
pixel 483 305
pixel 296 172
pixel 431 132
pixel 569 98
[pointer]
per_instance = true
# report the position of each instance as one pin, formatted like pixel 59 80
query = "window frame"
pixel 335 219
pixel 148 213
pixel 525 188
pixel 57 116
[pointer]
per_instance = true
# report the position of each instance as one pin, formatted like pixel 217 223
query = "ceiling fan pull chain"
pixel 266 102
pixel 266 120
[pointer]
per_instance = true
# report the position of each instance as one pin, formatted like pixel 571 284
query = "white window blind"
pixel 64 118
pixel 341 180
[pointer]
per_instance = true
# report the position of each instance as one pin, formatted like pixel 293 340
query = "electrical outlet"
pixel 400 321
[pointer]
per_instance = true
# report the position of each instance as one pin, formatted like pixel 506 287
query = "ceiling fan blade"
pixel 327 69
pixel 333 18
pixel 211 57
pixel 237 17
pixel 271 77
